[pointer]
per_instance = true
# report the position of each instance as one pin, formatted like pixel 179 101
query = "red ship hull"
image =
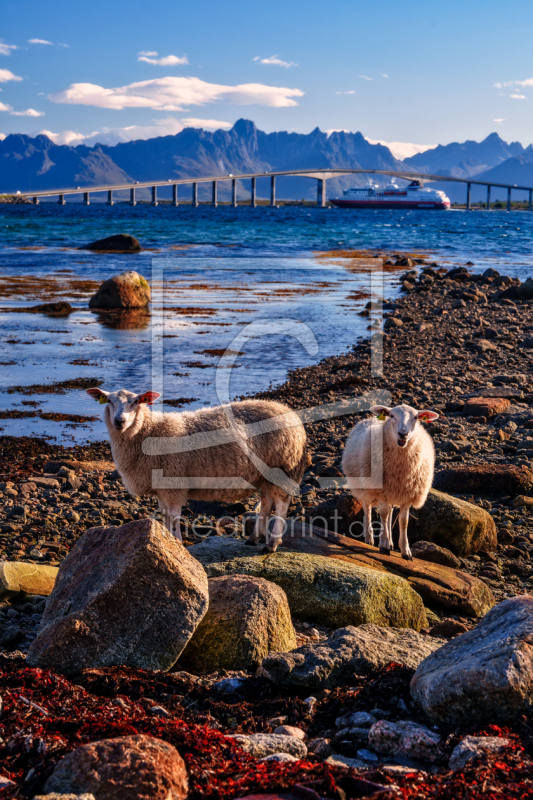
pixel 387 204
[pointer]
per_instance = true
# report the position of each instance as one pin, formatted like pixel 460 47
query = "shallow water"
pixel 216 272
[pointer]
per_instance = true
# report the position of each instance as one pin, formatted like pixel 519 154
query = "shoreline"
pixel 450 336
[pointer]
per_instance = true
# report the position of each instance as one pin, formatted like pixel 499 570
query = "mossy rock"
pixel 320 589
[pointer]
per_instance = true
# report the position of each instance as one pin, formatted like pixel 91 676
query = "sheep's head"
pixel 123 405
pixel 403 420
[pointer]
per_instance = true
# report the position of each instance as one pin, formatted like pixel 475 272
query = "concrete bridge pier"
pixel 36 200
pixel 133 201
pixel 509 199
pixel 175 195
pixel 154 196
pixel 61 200
pixel 234 193
pixel 321 193
pixel 488 198
pixel 273 190
pixel 86 199
pixel 195 195
pixel 214 195
pixel 530 200
pixel 253 198
pixel 468 194
pixel 110 201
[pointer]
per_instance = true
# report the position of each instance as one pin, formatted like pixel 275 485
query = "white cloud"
pixel 165 61
pixel 275 60
pixel 366 78
pixel 401 150
pixel 5 49
pixel 499 121
pixel 175 94
pixel 350 92
pixel 384 75
pixel 148 53
pixel 30 112
pixel 110 136
pixel 7 75
pixel 39 41
pixel 518 96
pixel 2 137
pixel 5 107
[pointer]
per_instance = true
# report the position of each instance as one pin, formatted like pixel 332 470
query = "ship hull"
pixel 388 204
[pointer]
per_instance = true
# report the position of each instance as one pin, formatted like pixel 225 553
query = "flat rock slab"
pixel 507 392
pixel 474 748
pixel 97 467
pixel 485 406
pixel 129 595
pixel 127 768
pixel 485 479
pixel 484 676
pixel 320 589
pixel 438 585
pixel 20 576
pixel 461 527
pixel 348 652
pixel 247 618
pixel 260 745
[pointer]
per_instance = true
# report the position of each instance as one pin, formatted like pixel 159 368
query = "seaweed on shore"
pixel 60 387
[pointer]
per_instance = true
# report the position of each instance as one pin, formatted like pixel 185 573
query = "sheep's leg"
pixel 274 538
pixel 404 543
pixel 367 525
pixel 385 542
pixel 171 519
pixel 262 520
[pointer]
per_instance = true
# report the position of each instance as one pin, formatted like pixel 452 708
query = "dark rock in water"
pixel 247 619
pixel 129 767
pixel 119 243
pixel 129 595
pixel 59 309
pixel 485 480
pixel 348 651
pixel 128 290
pixel 428 551
pixel 484 676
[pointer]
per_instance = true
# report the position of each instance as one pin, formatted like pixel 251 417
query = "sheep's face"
pixel 403 421
pixel 122 406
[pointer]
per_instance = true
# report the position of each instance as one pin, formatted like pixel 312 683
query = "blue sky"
pixel 414 72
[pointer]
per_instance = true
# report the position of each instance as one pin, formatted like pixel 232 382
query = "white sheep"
pixel 407 458
pixel 223 454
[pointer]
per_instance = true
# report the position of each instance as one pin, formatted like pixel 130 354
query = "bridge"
pixel 321 175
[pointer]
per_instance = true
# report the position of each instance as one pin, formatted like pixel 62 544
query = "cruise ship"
pixel 392 196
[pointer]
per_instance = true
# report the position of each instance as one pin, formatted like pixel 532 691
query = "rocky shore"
pixel 349 690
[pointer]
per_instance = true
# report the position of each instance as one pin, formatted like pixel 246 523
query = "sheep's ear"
pixel 99 395
pixel 427 416
pixel 381 412
pixel 148 398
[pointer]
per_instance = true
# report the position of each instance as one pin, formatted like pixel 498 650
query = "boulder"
pixel 485 406
pixel 456 525
pixel 320 589
pixel 485 479
pixel 247 619
pixel 405 739
pixel 260 745
pixel 119 243
pixel 348 652
pixel 484 676
pixel 20 576
pixel 127 290
pixel 427 551
pixel 474 748
pixel 439 586
pixel 129 595
pixel 126 768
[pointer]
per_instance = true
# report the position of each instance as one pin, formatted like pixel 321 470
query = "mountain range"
pixel 37 163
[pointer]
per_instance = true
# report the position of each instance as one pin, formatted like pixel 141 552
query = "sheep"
pixel 232 450
pixel 408 464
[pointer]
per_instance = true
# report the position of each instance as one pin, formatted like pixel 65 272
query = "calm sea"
pixel 265 284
